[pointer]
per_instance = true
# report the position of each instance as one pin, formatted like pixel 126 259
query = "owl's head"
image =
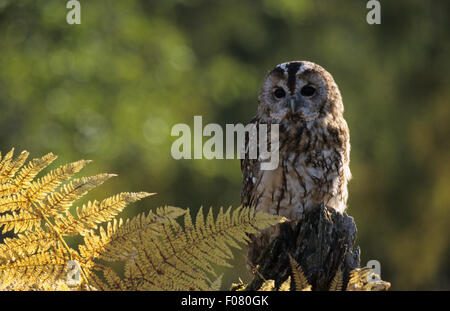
pixel 299 91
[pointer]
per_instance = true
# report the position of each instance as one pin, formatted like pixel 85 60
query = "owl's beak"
pixel 296 103
pixel 293 105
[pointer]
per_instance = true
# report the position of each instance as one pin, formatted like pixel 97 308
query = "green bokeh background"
pixel 111 89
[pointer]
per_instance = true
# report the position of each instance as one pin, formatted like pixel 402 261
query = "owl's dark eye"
pixel 279 93
pixel 307 90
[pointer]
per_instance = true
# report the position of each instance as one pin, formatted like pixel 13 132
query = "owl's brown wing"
pixel 250 170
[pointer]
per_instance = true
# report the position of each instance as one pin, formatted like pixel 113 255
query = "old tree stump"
pixel 321 243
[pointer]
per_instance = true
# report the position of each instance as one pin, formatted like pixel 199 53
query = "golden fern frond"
pixel 19 221
pixel 357 278
pixel 118 240
pixel 59 202
pixel 215 286
pixel 5 164
pixel 267 286
pixel 99 283
pixel 33 211
pixel 364 279
pixel 360 279
pixel 238 287
pixel 27 173
pixel 180 258
pixel 48 183
pixel 338 279
pixel 10 200
pixel 36 270
pixel 113 280
pixel 26 244
pixel 158 252
pixel 94 213
pixel 8 167
pixel 286 286
pixel 37 211
pixel 300 280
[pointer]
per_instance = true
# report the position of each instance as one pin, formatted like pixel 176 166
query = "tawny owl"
pixel 314 147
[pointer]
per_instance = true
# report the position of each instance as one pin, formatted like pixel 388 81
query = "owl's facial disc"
pixel 294 90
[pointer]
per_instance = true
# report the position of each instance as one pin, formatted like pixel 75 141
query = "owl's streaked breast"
pixel 302 181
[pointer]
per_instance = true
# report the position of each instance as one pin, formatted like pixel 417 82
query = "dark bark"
pixel 321 243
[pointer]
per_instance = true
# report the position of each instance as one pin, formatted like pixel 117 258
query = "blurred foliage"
pixel 111 88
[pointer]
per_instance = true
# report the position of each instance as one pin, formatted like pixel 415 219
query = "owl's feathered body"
pixel 314 148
